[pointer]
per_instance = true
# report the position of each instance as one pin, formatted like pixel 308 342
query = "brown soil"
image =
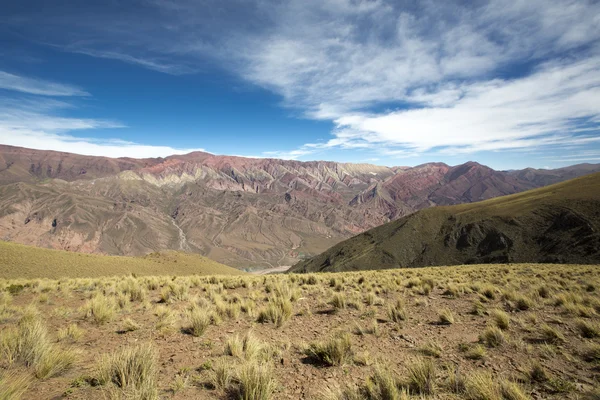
pixel 314 319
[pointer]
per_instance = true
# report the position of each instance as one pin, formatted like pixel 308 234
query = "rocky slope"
pixel 239 211
pixel 558 224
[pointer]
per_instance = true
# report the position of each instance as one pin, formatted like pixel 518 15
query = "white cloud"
pixel 83 145
pixel 397 78
pixel 34 123
pixel 37 86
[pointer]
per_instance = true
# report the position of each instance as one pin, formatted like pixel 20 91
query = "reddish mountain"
pixel 240 211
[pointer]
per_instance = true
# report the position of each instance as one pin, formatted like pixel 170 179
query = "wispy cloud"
pixel 37 86
pixel 150 63
pixel 35 122
pixel 396 78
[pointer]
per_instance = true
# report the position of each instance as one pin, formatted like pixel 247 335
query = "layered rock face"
pixel 248 213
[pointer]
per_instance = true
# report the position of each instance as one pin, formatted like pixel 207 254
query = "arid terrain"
pixel 557 223
pixel 243 212
pixel 476 332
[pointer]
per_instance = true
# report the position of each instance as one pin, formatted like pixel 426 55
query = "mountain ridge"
pixel 559 223
pixel 239 211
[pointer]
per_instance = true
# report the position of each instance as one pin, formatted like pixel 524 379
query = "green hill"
pixel 556 224
pixel 20 261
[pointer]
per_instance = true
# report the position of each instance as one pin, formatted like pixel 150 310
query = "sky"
pixel 510 84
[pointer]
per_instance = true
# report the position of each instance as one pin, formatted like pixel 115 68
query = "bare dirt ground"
pixel 544 348
pixel 275 270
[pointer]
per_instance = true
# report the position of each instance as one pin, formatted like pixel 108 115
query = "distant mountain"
pixel 556 224
pixel 239 211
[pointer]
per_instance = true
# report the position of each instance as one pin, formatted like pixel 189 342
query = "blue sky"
pixel 507 83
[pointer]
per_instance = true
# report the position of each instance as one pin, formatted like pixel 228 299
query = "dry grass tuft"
pixel 13 386
pixel 492 336
pixel 335 351
pixel 133 370
pixel 421 376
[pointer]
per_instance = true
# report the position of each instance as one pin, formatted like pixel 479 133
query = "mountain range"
pixel 243 212
pixel 559 223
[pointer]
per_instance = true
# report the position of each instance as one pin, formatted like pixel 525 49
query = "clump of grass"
pixel 587 329
pixel 523 303
pixel 397 311
pixel 179 383
pixel 246 347
pixel 476 352
pixel 371 329
pixel 478 308
pixel 421 375
pixel 198 319
pixel 481 386
pixel 537 373
pixel 445 317
pixel 432 349
pixel 335 351
pixel 338 301
pixel 101 309
pixel 501 319
pixel 222 374
pixel 130 325
pixel 512 391
pixel 255 381
pixel 166 318
pixel 363 358
pixel 54 362
pixel 30 344
pixel 383 384
pixel 551 335
pixel 591 352
pixel 489 291
pixel 278 311
pixel 133 370
pixel 492 336
pixel 71 333
pixel 13 386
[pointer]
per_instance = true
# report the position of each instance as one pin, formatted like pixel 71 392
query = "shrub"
pixel 335 351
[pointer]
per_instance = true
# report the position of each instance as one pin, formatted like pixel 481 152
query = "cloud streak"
pixel 395 78
pixel 23 84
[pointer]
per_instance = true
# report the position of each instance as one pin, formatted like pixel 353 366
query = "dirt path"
pixel 275 270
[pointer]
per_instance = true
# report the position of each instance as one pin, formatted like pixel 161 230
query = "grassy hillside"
pixel 516 332
pixel 557 223
pixel 19 261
